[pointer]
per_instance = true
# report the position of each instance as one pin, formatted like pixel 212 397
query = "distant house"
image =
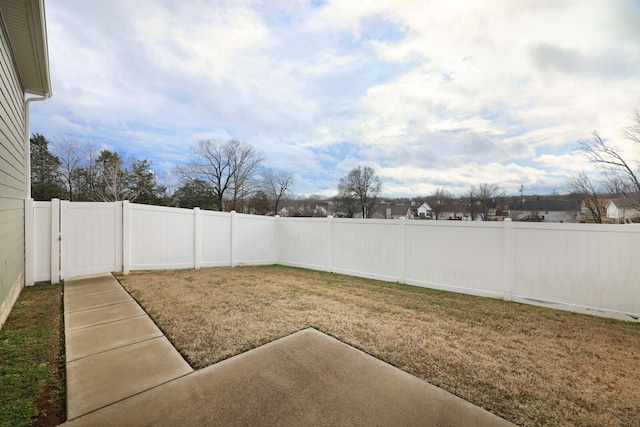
pixel 424 211
pixel 284 212
pixel 398 211
pixel 454 211
pixel 320 210
pixel 303 210
pixel 587 205
pixel 545 210
pixel 24 69
pixel 621 211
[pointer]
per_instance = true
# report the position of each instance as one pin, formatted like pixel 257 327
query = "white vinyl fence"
pixel 591 268
pixel 84 238
pixel 580 267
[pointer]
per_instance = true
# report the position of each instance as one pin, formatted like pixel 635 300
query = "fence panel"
pixel 455 256
pixel 42 238
pixel 215 240
pixel 160 237
pixel 254 239
pixel 305 242
pixel 593 267
pixel 366 248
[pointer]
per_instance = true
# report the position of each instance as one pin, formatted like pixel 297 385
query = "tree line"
pixel 218 176
pixel 77 171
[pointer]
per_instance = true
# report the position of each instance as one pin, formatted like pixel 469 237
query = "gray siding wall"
pixel 12 175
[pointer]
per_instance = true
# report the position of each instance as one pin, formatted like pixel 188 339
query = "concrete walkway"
pixel 121 370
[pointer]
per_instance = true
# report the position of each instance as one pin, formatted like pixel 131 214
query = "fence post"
pixel 507 268
pixel 118 207
pixel 233 238
pixel 402 249
pixel 196 238
pixel 126 237
pixel 29 242
pixel 330 249
pixel 59 240
pixel 277 222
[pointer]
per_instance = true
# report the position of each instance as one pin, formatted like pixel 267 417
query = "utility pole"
pixel 521 193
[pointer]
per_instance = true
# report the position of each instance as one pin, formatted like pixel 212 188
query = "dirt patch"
pixel 530 365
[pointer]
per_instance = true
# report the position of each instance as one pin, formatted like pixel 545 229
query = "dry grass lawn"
pixel 530 365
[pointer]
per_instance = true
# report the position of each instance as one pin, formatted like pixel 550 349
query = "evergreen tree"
pixel 111 178
pixel 260 203
pixel 45 180
pixel 144 184
pixel 195 193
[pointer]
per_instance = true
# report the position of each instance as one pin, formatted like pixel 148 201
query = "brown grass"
pixel 530 365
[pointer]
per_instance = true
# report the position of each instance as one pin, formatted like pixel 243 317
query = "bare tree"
pixel 439 200
pixel 620 174
pixel 226 167
pixel 245 163
pixel 482 199
pixel 471 204
pixel 586 190
pixel 362 184
pixel 210 165
pixel 276 185
pixel 73 155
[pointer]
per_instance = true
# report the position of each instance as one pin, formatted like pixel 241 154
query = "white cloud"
pixel 200 39
pixel 569 163
pixel 422 181
pixel 345 15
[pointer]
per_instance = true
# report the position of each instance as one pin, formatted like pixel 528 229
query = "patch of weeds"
pixel 413 306
pixel 318 294
pixel 155 272
pixel 133 292
pixel 293 291
pixel 332 280
pixel 378 309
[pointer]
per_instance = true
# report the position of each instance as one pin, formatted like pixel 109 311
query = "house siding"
pixel 12 179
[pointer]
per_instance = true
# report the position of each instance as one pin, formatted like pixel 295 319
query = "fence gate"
pixel 84 238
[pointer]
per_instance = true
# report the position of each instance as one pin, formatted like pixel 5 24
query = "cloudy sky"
pixel 429 93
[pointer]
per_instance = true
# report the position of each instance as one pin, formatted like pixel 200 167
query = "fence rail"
pixel 589 268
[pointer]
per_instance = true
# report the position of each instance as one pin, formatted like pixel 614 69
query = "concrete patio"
pixel 121 369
